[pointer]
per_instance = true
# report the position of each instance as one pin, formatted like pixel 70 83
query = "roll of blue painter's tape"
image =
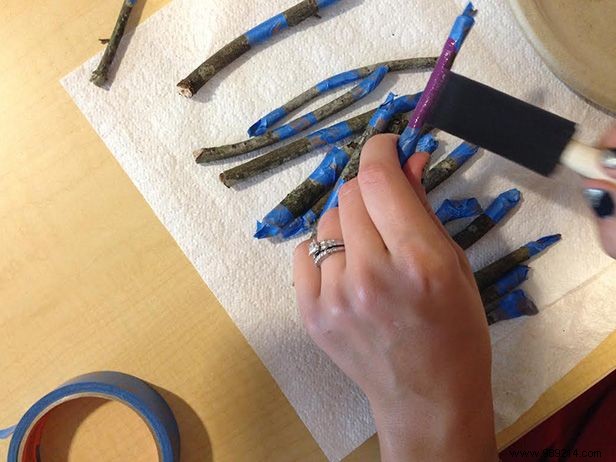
pixel 114 386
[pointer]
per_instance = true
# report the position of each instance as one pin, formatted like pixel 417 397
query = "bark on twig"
pixel 236 48
pixel 295 149
pixel 337 81
pixel 101 73
pixel 495 271
pixel 294 127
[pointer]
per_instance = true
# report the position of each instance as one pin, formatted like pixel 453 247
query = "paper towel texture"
pixel 152 131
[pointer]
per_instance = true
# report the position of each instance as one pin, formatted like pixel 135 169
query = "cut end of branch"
pixel 228 182
pixel 198 153
pixel 99 78
pixel 184 89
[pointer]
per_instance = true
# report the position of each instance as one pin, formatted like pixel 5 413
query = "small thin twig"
pixel 101 73
pixel 495 271
pixel 511 306
pixel 451 210
pixel 296 126
pixel 379 122
pixel 304 196
pixel 506 284
pixel 336 81
pixel 481 225
pixel 293 150
pixel 307 221
pixel 447 167
pixel 259 34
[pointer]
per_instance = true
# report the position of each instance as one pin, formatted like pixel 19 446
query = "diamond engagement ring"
pixel 320 250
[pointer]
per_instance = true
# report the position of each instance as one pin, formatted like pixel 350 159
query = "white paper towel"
pixel 152 130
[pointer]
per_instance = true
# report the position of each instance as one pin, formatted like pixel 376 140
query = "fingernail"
pixel 600 201
pixel 609 158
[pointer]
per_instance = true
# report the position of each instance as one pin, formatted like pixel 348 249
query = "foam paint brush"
pixel 526 134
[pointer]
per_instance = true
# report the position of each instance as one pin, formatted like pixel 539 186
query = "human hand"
pixel 602 194
pixel 400 314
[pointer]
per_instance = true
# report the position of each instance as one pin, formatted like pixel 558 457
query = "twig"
pixel 410 136
pixel 293 150
pixel 511 306
pixel 506 284
pixel 481 225
pixel 447 167
pixel 378 124
pixel 259 34
pixel 307 222
pixel 451 210
pixel 495 271
pixel 100 75
pixel 337 81
pixel 296 126
pixel 304 196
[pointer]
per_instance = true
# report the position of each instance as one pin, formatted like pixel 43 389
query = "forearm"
pixel 429 432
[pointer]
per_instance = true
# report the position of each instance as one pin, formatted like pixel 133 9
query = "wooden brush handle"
pixel 585 160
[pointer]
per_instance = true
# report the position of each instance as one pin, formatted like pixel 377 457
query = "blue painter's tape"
pixel 273 221
pixel 116 386
pixel 326 173
pixel 300 225
pixel 405 103
pixel 325 3
pixel 512 279
pixel 266 29
pixel 390 107
pixel 427 143
pixel 512 302
pixel 296 126
pixel 463 152
pixel 263 124
pixel 407 144
pixel 503 204
pixel 369 83
pixel 330 135
pixel 330 168
pixel 462 26
pixel 451 210
pixel 382 116
pixel 337 81
pixel 540 245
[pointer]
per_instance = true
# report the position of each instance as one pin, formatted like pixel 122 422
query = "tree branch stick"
pixel 482 225
pixel 259 34
pixel 293 150
pixel 447 167
pixel 296 126
pixel 337 81
pixel 100 75
pixel 495 271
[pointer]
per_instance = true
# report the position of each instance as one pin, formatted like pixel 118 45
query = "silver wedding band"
pixel 320 250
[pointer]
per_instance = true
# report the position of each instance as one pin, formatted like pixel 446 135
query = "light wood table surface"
pixel 90 280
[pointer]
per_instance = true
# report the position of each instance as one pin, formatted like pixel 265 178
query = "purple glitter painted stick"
pixel 462 26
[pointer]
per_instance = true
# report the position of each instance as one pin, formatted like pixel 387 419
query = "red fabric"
pixel 584 430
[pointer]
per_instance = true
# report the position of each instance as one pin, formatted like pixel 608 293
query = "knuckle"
pixel 328 219
pixel 427 267
pixel 348 189
pixel 372 174
pixel 367 289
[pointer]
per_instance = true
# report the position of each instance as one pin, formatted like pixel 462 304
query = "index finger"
pixel 393 205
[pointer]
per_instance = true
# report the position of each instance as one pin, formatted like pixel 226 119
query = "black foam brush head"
pixel 501 123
